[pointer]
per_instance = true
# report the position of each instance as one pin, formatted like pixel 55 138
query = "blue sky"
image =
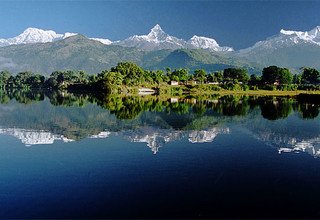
pixel 232 23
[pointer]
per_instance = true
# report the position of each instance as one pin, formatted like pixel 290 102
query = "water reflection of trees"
pixel 130 107
pixel 274 108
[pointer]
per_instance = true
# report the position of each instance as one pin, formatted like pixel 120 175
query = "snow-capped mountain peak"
pixel 287 32
pixel 102 40
pixel 307 35
pixel 157 33
pixel 203 42
pixel 68 34
pixel 158 39
pixel 287 38
pixel 315 33
pixel 34 35
pixel 207 43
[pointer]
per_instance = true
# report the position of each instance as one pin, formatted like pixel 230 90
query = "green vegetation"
pixel 127 77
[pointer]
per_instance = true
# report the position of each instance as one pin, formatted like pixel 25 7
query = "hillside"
pixel 80 53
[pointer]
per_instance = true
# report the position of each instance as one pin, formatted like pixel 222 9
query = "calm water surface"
pixel 136 158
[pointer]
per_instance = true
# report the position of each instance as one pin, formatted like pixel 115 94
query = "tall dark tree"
pixel 4 79
pixel 232 74
pixel 200 75
pixel 310 76
pixel 275 74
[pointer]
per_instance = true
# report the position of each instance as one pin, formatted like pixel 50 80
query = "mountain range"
pixel 157 39
pixel 45 51
pixel 292 49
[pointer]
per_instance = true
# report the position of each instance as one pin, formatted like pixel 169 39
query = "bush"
pixel 309 87
pixel 206 87
pixel 270 87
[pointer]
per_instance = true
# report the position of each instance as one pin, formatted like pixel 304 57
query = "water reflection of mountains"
pixel 42 118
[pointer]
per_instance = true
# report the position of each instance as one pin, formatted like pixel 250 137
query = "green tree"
pixel 233 74
pixel 181 74
pixel 254 80
pixel 218 76
pixel 285 76
pixel 296 79
pixel 275 74
pixel 269 74
pixel 200 75
pixel 310 76
pixel 4 79
pixel 131 72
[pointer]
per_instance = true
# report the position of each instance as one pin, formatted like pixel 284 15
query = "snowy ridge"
pixel 35 35
pixel 207 43
pixel 287 38
pixel 102 40
pixel 157 39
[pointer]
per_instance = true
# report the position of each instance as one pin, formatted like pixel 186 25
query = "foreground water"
pixel 140 158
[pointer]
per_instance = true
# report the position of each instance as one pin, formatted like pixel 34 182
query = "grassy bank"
pixel 205 90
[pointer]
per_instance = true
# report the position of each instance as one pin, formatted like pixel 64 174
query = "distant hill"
pixel 292 49
pixel 80 53
pixel 204 59
pixel 46 51
pixel 76 52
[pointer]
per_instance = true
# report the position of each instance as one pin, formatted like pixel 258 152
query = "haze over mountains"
pixel 45 51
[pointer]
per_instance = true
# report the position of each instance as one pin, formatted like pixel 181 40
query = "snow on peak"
pixel 315 32
pixel 158 39
pixel 286 32
pixel 156 28
pixel 68 34
pixel 207 43
pixel 287 38
pixel 34 35
pixel 312 36
pixel 102 40
pixel 157 34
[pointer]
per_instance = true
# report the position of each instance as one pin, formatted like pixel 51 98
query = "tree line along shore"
pixel 128 78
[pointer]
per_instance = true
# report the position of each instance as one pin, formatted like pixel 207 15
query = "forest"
pixel 126 77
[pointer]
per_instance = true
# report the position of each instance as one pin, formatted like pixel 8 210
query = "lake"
pixel 75 156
